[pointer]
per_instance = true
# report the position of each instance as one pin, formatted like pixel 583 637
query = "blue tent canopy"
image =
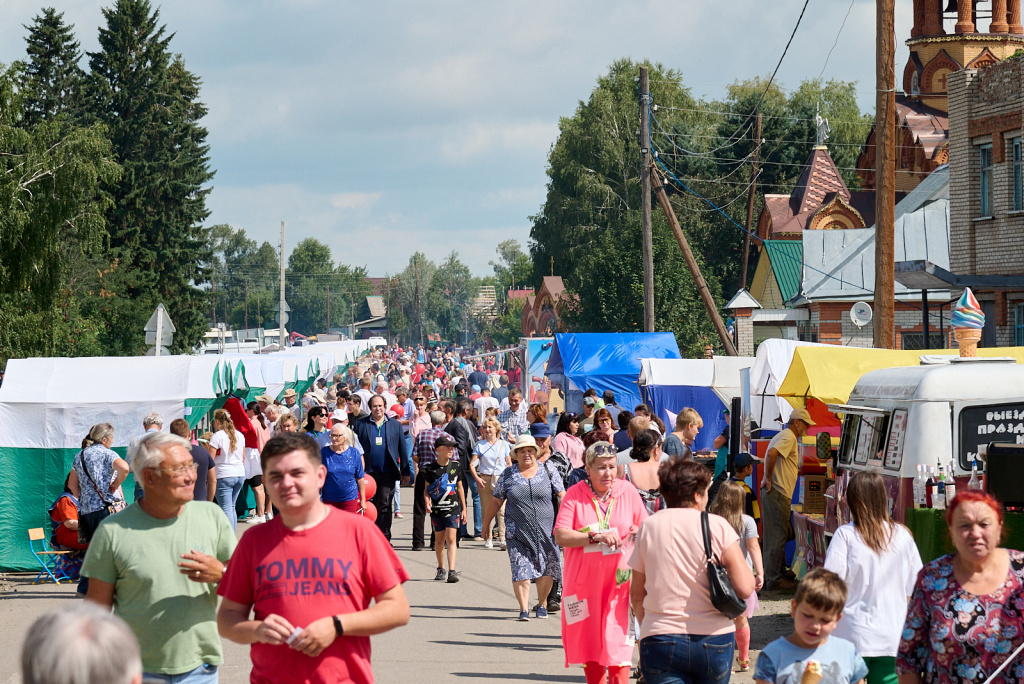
pixel 605 361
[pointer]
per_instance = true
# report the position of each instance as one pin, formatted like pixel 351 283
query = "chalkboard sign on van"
pixel 983 424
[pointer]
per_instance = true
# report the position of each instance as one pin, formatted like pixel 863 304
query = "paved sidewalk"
pixel 465 632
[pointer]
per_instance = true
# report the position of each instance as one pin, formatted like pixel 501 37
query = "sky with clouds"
pixel 385 128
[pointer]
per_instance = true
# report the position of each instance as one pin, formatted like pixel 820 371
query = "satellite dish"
pixel 860 314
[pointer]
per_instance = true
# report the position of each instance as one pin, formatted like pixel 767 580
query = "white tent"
pixel 47 407
pixel 774 357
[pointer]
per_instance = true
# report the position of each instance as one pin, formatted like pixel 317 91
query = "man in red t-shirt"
pixel 310 576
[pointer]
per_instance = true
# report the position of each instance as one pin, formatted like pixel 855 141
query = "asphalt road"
pixel 465 632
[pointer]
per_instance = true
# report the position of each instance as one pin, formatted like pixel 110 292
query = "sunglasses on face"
pixel 605 450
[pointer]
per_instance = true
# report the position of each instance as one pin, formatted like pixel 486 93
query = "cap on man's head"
pixel 444 440
pixel 265 398
pixel 802 414
pixel 289 394
pixel 590 401
pixel 741 461
pixel 476 388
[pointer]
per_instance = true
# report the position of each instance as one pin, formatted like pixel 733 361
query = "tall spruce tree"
pixel 158 245
pixel 51 80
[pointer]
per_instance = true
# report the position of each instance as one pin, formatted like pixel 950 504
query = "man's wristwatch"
pixel 338 629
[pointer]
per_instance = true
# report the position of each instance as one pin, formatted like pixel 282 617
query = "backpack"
pixel 562 464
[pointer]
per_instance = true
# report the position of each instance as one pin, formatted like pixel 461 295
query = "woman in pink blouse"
pixel 567 440
pixel 964 618
pixel 596 524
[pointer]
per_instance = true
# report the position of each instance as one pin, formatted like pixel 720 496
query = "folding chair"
pixel 46 556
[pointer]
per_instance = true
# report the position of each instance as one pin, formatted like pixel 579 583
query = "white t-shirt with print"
pixel 229 463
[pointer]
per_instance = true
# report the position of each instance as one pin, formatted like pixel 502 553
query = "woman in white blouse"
pixel 230 460
pixel 879 561
pixel 490 458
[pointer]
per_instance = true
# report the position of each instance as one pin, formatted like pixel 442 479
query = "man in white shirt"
pixel 384 389
pixel 153 422
pixel 481 405
pixel 364 394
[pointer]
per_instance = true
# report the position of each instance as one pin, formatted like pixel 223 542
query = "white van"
pixel 929 414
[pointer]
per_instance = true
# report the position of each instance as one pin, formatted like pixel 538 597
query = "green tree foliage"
pixel 310 275
pixel 590 221
pixel 449 298
pixel 244 279
pixel 420 271
pixel 512 270
pixel 51 81
pixel 51 220
pixel 149 103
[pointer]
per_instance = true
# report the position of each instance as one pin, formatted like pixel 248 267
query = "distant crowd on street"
pixel 649 551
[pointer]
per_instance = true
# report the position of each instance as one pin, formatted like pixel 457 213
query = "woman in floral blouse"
pixel 965 615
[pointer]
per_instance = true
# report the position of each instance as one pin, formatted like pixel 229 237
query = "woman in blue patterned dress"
pixel 528 489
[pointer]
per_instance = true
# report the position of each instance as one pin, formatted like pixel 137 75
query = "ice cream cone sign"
pixel 967 322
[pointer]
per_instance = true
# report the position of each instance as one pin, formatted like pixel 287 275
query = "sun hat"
pixel 524 441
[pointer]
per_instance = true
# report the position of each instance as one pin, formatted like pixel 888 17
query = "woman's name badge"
pixel 576 610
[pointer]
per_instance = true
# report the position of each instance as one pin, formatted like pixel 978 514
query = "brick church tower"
pixel 922 121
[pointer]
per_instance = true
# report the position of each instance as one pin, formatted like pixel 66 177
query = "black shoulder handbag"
pixel 723 596
pixel 89 522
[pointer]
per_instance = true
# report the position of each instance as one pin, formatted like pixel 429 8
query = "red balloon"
pixel 370 486
pixel 370 512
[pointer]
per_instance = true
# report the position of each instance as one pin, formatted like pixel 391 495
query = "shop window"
pixel 915 340
pixel 985 180
pixel 1018 175
pixel 1018 327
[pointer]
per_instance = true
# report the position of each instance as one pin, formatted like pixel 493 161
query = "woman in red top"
pixel 64 525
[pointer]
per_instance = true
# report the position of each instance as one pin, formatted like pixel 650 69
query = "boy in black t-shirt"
pixel 445 494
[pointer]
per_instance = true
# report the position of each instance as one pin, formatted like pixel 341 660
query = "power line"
pixel 766 116
pixel 777 67
pixel 839 33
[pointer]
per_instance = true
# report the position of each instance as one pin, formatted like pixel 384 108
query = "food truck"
pixel 939 412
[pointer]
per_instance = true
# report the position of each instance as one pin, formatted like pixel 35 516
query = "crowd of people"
pixel 611 516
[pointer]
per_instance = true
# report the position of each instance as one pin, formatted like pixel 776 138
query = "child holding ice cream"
pixel 809 654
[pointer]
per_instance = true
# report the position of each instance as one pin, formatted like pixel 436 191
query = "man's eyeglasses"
pixel 190 468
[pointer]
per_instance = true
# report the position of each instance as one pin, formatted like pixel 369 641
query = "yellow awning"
pixel 829 373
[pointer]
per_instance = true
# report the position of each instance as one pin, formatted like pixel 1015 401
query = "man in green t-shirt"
pixel 157 563
pixel 781 465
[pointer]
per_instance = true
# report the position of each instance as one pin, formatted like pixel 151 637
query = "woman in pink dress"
pixel 596 524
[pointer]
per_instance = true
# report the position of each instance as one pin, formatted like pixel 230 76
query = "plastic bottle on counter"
pixel 939 497
pixel 951 483
pixel 920 496
pixel 929 487
pixel 975 481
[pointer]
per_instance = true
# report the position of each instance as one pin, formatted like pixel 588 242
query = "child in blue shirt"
pixel 809 655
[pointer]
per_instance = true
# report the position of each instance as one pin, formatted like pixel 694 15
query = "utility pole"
pixel 281 318
pixel 213 290
pixel 247 306
pixel 750 203
pixel 416 271
pixel 647 240
pixel 328 309
pixel 885 176
pixel 698 279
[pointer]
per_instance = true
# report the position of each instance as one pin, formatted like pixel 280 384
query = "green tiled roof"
pixel 786 258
